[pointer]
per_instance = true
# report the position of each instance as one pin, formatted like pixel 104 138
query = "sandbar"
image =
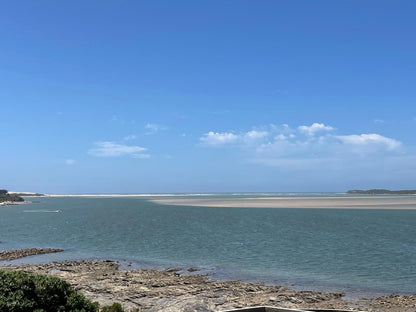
pixel 344 202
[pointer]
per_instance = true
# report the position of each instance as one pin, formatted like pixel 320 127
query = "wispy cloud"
pixel 69 161
pixel 112 149
pixel 152 128
pixel 370 140
pixel 222 138
pixel 222 112
pixel 120 120
pixel 129 137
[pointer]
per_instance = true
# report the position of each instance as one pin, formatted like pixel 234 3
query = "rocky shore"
pixel 20 253
pixel 170 290
pixel 8 203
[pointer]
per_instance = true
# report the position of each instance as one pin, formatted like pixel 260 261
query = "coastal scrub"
pixel 26 292
pixel 5 197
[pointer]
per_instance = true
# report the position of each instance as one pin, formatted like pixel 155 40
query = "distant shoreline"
pixel 349 193
pixel 382 192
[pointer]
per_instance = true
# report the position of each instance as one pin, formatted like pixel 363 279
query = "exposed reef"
pixel 174 291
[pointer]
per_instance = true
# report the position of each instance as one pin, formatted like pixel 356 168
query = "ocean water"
pixel 356 251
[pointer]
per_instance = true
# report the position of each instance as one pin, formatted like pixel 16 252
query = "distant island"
pixel 9 199
pixel 382 192
pixel 26 194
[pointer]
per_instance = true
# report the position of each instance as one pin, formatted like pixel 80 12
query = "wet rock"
pixel 21 253
pixel 151 290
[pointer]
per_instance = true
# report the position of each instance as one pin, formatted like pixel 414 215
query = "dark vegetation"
pixel 27 292
pixel 5 196
pixel 382 192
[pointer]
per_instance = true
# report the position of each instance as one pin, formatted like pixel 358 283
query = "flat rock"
pixel 21 253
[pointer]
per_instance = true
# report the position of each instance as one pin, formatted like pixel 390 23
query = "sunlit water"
pixel 356 251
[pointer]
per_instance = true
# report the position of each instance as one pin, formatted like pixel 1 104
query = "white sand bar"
pixel 344 202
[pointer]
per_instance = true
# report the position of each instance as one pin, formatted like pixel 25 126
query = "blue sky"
pixel 207 96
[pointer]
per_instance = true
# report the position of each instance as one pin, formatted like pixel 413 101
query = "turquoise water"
pixel 368 251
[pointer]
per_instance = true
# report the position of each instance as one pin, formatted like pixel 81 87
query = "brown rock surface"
pixel 151 290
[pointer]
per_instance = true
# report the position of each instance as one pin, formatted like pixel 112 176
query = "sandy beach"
pixel 185 290
pixel 353 202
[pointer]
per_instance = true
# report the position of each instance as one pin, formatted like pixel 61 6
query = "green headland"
pixel 6 197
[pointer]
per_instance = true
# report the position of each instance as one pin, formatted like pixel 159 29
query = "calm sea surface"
pixel 356 251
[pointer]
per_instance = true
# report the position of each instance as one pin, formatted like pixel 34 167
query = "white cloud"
pixel 254 134
pixel 69 161
pixel 218 138
pixel 315 128
pixel 152 128
pixel 284 137
pixel 222 138
pixel 112 149
pixel 284 146
pixel 371 139
pixel 280 137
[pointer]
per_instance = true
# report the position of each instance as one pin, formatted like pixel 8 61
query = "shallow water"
pixel 366 251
